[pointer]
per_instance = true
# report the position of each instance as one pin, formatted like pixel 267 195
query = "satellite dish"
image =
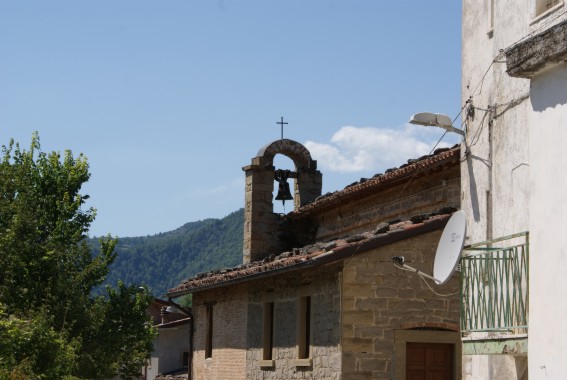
pixel 450 247
pixel 448 250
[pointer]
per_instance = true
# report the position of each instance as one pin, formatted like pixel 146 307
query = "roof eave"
pixel 323 258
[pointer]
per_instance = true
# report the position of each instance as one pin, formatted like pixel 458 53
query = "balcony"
pixel 494 289
pixel 529 57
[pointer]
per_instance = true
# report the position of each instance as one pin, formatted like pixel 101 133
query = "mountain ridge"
pixel 163 260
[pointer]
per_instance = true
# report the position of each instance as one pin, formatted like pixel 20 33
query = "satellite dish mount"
pixel 448 250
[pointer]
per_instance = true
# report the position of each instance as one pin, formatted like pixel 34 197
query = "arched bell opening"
pixel 285 183
pixel 262 227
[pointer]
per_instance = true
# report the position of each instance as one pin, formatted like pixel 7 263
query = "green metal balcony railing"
pixel 494 286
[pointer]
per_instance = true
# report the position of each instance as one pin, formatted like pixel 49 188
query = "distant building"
pixel 170 355
pixel 317 295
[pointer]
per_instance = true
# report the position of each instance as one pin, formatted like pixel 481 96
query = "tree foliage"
pixel 31 347
pixel 50 324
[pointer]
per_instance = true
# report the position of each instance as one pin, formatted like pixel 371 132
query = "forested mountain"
pixel 162 261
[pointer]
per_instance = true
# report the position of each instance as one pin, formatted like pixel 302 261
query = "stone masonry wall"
pixel 377 299
pixel 323 285
pixel 423 194
pixel 228 359
pixel 260 223
pixel 262 229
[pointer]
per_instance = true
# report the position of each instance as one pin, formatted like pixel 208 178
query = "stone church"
pixel 317 295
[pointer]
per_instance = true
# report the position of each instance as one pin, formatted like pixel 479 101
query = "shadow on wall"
pixel 473 187
pixel 548 89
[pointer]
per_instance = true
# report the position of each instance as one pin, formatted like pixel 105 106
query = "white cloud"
pixel 354 149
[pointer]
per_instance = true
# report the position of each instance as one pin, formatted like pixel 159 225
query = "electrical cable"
pixel 426 283
pixel 419 168
pixel 438 294
pixel 503 51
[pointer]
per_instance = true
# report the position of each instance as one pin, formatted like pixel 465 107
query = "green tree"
pixel 32 348
pixel 47 273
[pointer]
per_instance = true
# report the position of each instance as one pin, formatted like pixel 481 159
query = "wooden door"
pixel 429 361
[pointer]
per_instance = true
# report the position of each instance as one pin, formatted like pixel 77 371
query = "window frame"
pixel 209 331
pixel 490 5
pixel 267 331
pixel 542 8
pixel 304 332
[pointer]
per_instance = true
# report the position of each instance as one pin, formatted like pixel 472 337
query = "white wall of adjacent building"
pixel 548 222
pixel 499 168
pixel 514 178
pixel 169 348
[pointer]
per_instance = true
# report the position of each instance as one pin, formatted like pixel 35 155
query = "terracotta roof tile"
pixel 315 254
pixel 324 252
pixel 423 164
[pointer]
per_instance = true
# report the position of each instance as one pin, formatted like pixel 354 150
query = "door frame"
pixel 401 337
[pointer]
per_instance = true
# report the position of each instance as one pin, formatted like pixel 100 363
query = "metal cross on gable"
pixel 281 123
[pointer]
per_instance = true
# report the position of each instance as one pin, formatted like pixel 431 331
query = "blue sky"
pixel 170 99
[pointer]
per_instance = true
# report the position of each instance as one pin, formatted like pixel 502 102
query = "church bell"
pixel 283 189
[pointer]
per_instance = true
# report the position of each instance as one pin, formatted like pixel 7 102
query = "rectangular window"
pixel 185 359
pixel 268 330
pixel 304 328
pixel 543 6
pixel 209 332
pixel 490 16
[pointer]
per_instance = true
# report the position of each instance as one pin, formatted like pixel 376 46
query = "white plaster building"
pixel 514 86
pixel 172 345
pixel 171 350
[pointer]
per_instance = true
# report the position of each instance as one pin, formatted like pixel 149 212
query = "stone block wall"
pixel 307 187
pixel 260 222
pixel 378 299
pixel 228 359
pixel 423 194
pixel 323 286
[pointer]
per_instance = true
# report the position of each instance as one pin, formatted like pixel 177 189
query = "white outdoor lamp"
pixel 435 120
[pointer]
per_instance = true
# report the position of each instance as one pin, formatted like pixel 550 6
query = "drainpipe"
pixel 489 194
pixel 191 325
